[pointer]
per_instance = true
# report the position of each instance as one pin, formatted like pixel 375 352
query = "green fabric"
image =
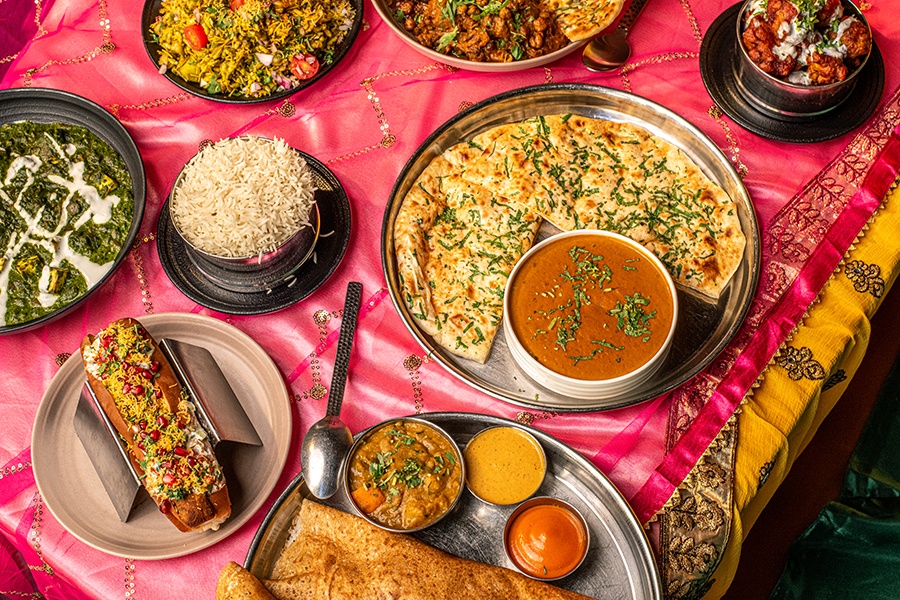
pixel 852 550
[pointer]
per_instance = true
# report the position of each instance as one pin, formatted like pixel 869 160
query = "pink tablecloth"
pixel 363 121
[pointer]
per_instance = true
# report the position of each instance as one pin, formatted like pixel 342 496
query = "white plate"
pixel 73 492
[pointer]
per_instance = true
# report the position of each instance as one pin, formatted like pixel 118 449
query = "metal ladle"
pixel 610 51
pixel 327 442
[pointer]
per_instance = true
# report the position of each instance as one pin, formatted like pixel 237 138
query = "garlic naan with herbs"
pixel 578 173
pixel 456 245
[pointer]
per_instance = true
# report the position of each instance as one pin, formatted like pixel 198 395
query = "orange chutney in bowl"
pixel 546 538
pixel 591 307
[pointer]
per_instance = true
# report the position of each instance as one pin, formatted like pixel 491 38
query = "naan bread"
pixel 476 208
pixel 339 556
pixel 456 244
pixel 583 173
pixel 582 19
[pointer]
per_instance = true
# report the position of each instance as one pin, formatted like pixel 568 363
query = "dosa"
pixel 339 556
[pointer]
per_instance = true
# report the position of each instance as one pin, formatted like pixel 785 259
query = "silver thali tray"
pixel 704 328
pixel 619 563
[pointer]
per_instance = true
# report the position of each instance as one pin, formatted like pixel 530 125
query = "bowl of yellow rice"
pixel 244 51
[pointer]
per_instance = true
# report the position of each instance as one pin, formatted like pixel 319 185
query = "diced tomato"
pixel 304 66
pixel 195 36
pixel 236 4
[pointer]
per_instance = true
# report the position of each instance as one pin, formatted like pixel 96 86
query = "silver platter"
pixel 619 563
pixel 704 327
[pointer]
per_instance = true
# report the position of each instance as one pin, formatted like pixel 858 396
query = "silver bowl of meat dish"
pixel 799 61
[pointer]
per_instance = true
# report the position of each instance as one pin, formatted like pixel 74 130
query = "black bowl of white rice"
pixel 245 210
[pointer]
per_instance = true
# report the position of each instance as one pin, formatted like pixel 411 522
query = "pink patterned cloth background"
pixel 364 120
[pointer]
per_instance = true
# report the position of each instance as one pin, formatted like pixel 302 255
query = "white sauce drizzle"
pixel 99 210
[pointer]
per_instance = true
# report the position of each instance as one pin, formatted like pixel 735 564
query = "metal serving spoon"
pixel 325 445
pixel 610 51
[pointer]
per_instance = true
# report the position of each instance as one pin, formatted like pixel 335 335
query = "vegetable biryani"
pixel 250 48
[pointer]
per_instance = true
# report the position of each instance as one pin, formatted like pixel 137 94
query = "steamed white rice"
pixel 243 197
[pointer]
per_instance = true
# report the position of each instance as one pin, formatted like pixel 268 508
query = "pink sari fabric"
pixel 364 120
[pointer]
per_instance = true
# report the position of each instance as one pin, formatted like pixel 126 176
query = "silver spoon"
pixel 610 51
pixel 325 445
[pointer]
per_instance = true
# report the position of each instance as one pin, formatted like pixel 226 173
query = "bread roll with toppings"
pixel 138 390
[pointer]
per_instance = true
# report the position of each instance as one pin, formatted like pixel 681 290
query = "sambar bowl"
pixel 589 314
pixel 404 474
pixel 791 99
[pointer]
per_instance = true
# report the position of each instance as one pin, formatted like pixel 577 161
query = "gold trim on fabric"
pixel 695 527
pixel 687 550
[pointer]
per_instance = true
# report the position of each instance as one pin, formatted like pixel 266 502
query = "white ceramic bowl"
pixel 580 388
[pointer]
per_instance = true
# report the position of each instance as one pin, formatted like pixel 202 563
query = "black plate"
pixel 334 237
pixel 151 10
pixel 54 106
pixel 717 55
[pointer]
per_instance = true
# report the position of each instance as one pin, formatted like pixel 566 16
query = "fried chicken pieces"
pixel 808 43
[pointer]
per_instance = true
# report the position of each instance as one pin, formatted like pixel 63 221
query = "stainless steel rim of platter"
pixel 704 328
pixel 619 563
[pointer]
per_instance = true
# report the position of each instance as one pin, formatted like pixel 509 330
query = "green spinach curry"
pixel 66 206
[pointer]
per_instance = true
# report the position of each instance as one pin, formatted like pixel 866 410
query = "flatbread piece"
pixel 583 19
pixel 456 244
pixel 339 556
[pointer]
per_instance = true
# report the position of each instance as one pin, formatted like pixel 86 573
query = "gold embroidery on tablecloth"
pixel 696 523
pixel 138 260
pixel 836 378
pixel 653 60
pixel 527 418
pixel 695 28
pixel 548 75
pixel 14 470
pixel 34 535
pixel 115 108
pixel 799 363
pixel 387 138
pixel 38 7
pixel 62 357
pixel 464 105
pixel 412 363
pixel 129 578
pixel 105 48
pixel 318 390
pixel 866 278
pixel 764 472
pixel 716 113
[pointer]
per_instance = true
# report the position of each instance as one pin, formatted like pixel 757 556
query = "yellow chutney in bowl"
pixel 504 465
